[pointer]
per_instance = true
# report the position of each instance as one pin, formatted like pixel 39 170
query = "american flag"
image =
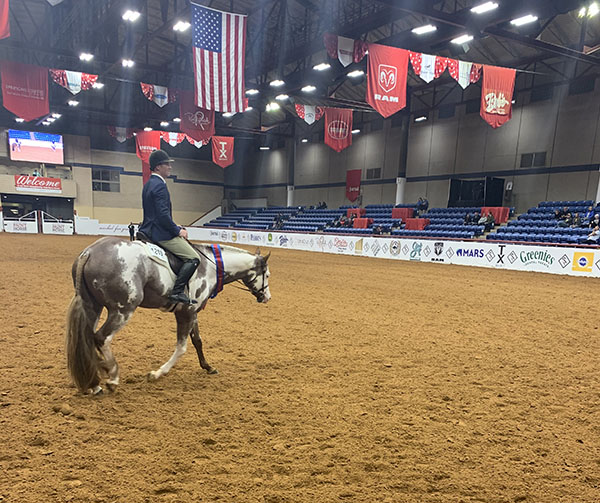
pixel 219 40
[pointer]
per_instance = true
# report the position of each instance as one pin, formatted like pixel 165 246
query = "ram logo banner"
pixel 386 79
pixel 583 261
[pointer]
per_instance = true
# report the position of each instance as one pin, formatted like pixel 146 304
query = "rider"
pixel 158 223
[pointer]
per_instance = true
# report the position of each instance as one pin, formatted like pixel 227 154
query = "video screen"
pixel 35 147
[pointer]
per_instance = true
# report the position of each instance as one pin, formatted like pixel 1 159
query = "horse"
pixel 123 275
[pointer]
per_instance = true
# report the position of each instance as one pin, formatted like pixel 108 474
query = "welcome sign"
pixel 26 183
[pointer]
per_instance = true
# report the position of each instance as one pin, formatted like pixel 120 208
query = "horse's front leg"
pixel 197 342
pixel 185 319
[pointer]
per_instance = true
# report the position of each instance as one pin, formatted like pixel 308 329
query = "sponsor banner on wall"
pixel 548 259
pixel 20 226
pixel 26 183
pixel 65 228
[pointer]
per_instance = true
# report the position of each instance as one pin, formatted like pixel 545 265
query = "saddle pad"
pixel 157 254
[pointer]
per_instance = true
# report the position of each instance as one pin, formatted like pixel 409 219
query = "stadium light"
pixel 127 63
pixel 97 85
pixel 272 106
pixel 181 26
pixel 263 147
pixel 73 103
pixel 276 83
pixel 322 67
pixel 590 11
pixel 86 56
pixel 248 109
pixel 176 119
pixel 164 124
pixel 356 73
pixel 131 15
pixel 252 92
pixel 147 129
pixel 308 89
pixel 18 119
pixel 421 118
pixel 463 39
pixel 56 116
pixel 281 97
pixel 355 131
pixel 228 114
pixel 484 7
pixel 520 21
pixel 421 30
pixel 304 140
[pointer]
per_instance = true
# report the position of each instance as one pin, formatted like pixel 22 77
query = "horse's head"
pixel 257 279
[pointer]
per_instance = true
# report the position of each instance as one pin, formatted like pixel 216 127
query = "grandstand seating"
pixel 451 220
pixel 539 225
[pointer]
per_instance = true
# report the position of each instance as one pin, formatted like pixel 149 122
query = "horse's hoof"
pixel 97 391
pixel 212 371
pixel 152 376
pixel 112 387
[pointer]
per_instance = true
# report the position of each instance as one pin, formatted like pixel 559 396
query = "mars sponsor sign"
pixel 26 183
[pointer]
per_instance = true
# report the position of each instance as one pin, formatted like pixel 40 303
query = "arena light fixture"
pixel 86 56
pixel 97 85
pixel 248 109
pixel 309 89
pixel 304 140
pixel 355 131
pixel 227 114
pixel 164 124
pixel 18 119
pixel 421 118
pixel 520 21
pixel 46 123
pixel 56 116
pixel 484 7
pixel 73 103
pixel 176 119
pixel 252 92
pixel 263 147
pixel 127 63
pixel 131 15
pixel 321 67
pixel 463 39
pixel 50 120
pixel 421 30
pixel 147 129
pixel 276 83
pixel 272 106
pixel 356 73
pixel 181 26
pixel 281 97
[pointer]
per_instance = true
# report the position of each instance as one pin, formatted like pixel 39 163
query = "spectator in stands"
pixel 595 222
pixel 576 220
pixel 490 223
pixel 419 205
pixel 377 230
pixel 350 221
pixel 560 214
pixel 131 228
pixel 566 221
pixel 425 204
pixel 279 221
pixel 589 215
pixel 36 172
pixel 340 222
pixel 593 236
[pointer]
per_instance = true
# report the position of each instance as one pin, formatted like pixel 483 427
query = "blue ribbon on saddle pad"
pixel 216 249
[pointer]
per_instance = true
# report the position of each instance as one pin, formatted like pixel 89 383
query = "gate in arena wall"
pixel 35 222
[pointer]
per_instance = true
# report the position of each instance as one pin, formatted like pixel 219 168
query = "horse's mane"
pixel 225 247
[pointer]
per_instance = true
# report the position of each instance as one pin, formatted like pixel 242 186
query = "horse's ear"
pixel 257 251
pixel 266 257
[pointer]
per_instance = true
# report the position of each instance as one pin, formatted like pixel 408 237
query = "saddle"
pixel 174 261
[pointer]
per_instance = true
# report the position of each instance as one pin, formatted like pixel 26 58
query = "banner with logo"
pixel 338 128
pixel 26 183
pixel 195 122
pixel 353 184
pixel 146 142
pixel 160 95
pixel 25 89
pixel 309 113
pixel 496 95
pixel 386 79
pixel 222 150
pixel 345 49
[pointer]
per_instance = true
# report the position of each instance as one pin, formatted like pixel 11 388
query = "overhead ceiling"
pixel 284 40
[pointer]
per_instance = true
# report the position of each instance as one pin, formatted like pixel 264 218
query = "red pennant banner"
pixel 4 19
pixel 345 49
pixel 353 184
pixel 120 133
pixel 338 128
pixel 222 150
pixel 309 113
pixel 160 95
pixel 386 80
pixel 496 95
pixel 146 142
pixel 73 81
pixel 195 122
pixel 25 89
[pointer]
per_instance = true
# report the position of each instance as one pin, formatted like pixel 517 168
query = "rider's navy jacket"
pixel 158 223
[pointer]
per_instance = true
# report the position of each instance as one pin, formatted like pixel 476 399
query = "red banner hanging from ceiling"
pixel 195 122
pixel 146 142
pixel 222 150
pixel 386 80
pixel 25 89
pixel 496 95
pixel 353 184
pixel 338 128
pixel 4 19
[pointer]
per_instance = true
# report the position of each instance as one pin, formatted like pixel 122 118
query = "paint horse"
pixel 121 276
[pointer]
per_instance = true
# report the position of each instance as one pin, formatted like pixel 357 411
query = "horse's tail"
pixel 82 357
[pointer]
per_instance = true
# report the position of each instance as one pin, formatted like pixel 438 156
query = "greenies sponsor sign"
pixel 541 257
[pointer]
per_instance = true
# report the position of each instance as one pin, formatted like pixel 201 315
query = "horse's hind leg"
pixel 197 342
pixel 115 321
pixel 185 319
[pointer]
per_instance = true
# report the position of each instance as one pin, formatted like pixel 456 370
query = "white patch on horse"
pixel 129 258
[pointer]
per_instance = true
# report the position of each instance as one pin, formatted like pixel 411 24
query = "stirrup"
pixel 181 298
